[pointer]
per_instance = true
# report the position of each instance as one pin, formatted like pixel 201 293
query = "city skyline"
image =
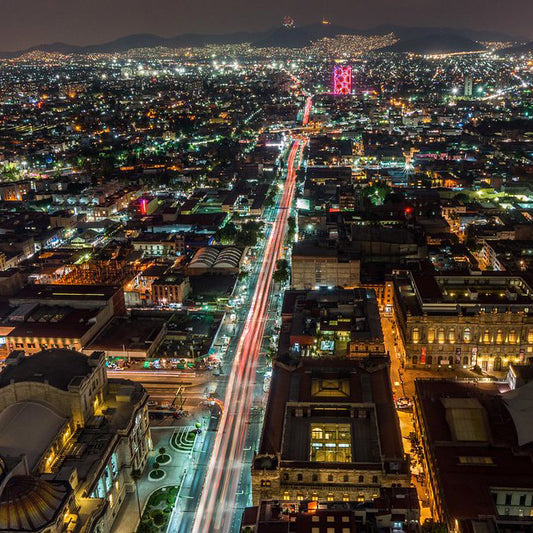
pixel 26 24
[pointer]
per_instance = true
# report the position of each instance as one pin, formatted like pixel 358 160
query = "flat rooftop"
pixel 332 391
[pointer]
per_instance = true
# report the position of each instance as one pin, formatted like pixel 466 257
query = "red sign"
pixel 423 355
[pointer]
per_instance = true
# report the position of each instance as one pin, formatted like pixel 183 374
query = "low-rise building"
pixel 315 266
pixel 477 454
pixel 326 322
pixel 330 433
pixel 69 441
pixel 482 319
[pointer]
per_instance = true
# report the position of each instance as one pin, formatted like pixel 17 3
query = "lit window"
pixel 416 334
pixel 451 335
pixel 467 335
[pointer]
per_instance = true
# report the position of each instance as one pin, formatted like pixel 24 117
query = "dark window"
pixel 285 477
pixel 300 477
pixel 330 477
pixel 315 477
pixel 523 499
pixel 361 479
pixel 508 499
pixel 345 478
pixel 374 479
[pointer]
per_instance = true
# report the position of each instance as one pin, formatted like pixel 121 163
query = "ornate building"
pixel 483 319
pixel 331 433
pixel 69 441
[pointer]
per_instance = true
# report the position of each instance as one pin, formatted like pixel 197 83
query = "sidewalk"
pixel 127 519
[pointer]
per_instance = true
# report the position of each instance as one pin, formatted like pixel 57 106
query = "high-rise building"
pixel 468 86
pixel 342 79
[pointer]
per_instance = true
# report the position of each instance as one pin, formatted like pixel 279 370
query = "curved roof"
pixel 212 257
pixel 57 366
pixel 28 428
pixel 204 257
pixel 28 503
pixel 228 258
pixel 519 403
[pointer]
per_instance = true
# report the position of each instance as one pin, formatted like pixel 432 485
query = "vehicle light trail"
pixel 307 111
pixel 216 506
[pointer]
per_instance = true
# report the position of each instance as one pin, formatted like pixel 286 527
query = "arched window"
pixel 440 335
pixel 499 336
pixel 451 335
pixel 416 335
pixel 467 335
pixel 512 337
pixel 431 335
pixel 486 336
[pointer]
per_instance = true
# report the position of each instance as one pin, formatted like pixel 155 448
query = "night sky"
pixel 28 22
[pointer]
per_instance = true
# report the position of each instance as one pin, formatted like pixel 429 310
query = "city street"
pixel 216 508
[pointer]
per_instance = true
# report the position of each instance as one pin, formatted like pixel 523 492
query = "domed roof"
pixel 29 503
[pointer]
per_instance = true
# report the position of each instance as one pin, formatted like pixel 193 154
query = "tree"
pixel 281 273
pixel 162 450
pixel 136 475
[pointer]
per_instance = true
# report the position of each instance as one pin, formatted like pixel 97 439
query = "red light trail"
pixel 307 111
pixel 216 505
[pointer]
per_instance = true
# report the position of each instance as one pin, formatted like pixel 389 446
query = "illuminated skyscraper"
pixel 342 79
pixel 468 86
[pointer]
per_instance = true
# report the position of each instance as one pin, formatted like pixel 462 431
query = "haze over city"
pixel 27 23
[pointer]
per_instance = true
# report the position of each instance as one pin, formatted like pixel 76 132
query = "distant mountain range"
pixel 411 39
pixel 434 44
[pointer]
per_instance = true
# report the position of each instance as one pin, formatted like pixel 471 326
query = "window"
pixel 345 519
pixel 285 477
pixel 361 479
pixel 300 497
pixel 522 499
pixel 286 496
pixel 530 336
pixel 467 335
pixel 512 337
pixel 499 336
pixel 486 336
pixel 475 460
pixel 465 360
pixel 315 477
pixel 451 335
pixel 374 479
pixel 330 496
pixel 330 477
pixel 345 478
pixel 330 519
pixel 416 335
pixel 315 518
pixel 299 477
pixel 440 335
pixel 331 443
pixel 431 335
pixel 345 497
pixel 265 483
pixel 508 499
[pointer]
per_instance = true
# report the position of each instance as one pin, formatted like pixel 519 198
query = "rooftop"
pixel 57 367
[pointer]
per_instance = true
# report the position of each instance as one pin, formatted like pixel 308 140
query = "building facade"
pixel 483 321
pixel 63 423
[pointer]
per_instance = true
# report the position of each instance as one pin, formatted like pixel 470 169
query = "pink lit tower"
pixel 342 79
